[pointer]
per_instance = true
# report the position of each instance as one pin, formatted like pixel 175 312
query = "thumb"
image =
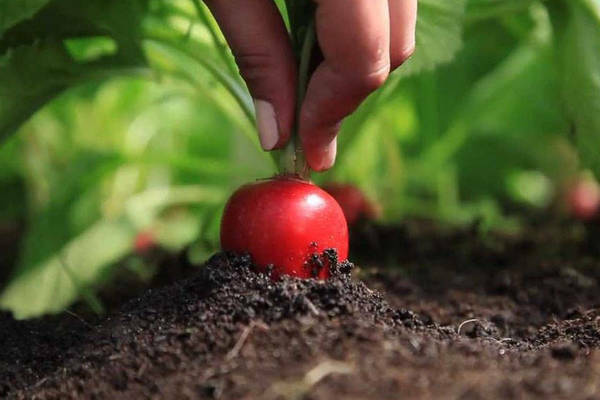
pixel 258 38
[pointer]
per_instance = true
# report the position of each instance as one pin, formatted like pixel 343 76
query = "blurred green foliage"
pixel 131 117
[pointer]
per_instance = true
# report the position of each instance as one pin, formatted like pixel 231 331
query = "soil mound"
pixel 525 324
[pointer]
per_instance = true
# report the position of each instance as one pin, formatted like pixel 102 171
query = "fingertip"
pixel 403 19
pixel 400 57
pixel 266 124
pixel 321 156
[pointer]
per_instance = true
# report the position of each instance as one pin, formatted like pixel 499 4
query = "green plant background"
pixel 119 117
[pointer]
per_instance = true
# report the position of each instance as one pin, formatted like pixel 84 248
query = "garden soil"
pixel 427 313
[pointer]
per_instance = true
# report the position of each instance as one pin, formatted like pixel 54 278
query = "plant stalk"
pixel 292 161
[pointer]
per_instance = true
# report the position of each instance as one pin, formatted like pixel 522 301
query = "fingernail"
pixel 266 122
pixel 330 154
pixel 325 158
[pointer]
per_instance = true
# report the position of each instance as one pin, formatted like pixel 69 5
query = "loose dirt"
pixel 430 313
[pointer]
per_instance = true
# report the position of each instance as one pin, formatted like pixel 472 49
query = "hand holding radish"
pixel 361 41
pixel 287 224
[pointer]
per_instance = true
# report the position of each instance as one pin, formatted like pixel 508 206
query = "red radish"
pixel 583 199
pixel 143 242
pixel 353 202
pixel 284 222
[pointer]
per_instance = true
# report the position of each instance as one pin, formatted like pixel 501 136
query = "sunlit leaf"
pixel 439 35
pixel 68 272
pixel 143 208
pixel 177 230
pixel 57 282
pixel 51 228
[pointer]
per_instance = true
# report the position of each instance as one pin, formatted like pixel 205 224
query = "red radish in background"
pixel 583 198
pixel 284 222
pixel 353 201
pixel 143 242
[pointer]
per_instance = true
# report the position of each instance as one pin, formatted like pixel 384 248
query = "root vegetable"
pixel 284 223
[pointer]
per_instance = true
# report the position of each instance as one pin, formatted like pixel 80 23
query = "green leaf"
pixel 283 11
pixel 143 208
pixel 593 8
pixel 30 76
pixel 439 35
pixel 14 11
pixel 177 230
pixel 579 52
pixel 50 229
pixel 483 9
pixel 35 65
pixel 63 19
pixel 173 53
pixel 519 96
pixel 54 284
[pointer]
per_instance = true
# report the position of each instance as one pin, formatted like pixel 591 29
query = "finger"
pixel 258 38
pixel 354 38
pixel 403 20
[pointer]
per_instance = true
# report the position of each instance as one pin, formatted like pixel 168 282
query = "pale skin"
pixel 362 41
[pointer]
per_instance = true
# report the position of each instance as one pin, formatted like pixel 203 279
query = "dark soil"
pixel 430 314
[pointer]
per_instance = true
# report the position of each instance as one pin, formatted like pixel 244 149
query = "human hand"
pixel 361 41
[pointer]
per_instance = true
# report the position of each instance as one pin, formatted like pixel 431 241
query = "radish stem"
pixel 292 160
